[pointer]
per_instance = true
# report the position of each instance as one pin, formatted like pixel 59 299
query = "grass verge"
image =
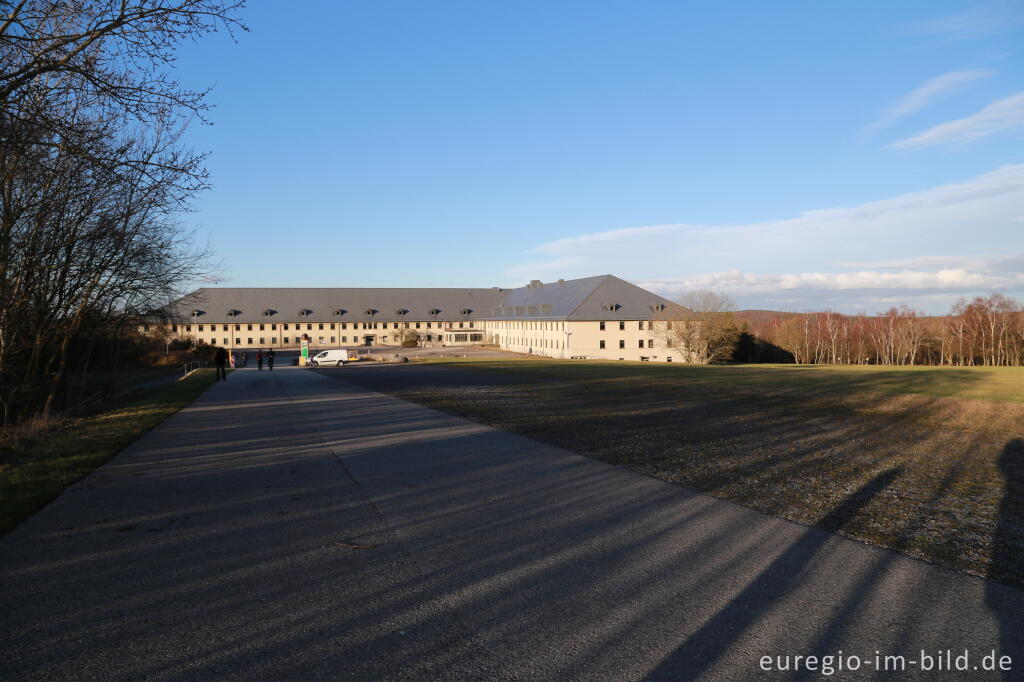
pixel 36 470
pixel 940 450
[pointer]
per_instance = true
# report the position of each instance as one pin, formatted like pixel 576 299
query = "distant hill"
pixel 758 317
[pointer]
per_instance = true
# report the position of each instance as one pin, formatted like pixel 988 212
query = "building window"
pixel 285 326
pixel 188 327
pixel 622 325
pixel 238 341
pixel 225 342
pixel 238 327
pixel 321 326
pixel 320 340
pixel 285 339
pixel 668 359
pixel 641 343
pixel 261 341
pixel 273 326
pixel 407 325
pixel 273 340
pixel 460 325
pixel 225 328
pixel 332 338
pixel 602 325
pixel 418 325
pixel 622 344
pixel 344 339
pixel 262 327
pixel 200 328
pixel 249 341
pixel 344 325
pixel 309 326
pixel 332 327
pixel 248 327
pixel 650 343
pixel 602 343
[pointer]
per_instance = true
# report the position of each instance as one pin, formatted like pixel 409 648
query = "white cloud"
pixel 923 248
pixel 741 283
pixel 977 22
pixel 929 91
pixel 1000 116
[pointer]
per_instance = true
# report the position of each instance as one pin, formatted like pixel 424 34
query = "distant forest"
pixel 986 331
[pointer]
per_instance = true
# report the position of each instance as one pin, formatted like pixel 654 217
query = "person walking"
pixel 220 359
pixel 245 359
pixel 270 359
pixel 259 360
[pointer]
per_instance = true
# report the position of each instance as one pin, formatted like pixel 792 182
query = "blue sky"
pixel 795 155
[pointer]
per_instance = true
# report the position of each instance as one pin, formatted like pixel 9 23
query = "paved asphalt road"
pixel 293 525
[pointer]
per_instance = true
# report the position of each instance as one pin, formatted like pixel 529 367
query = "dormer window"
pixel 305 312
pixel 268 312
pixel 657 307
pixel 370 312
pixel 402 312
pixel 435 311
pixel 467 311
pixel 234 313
pixel 340 311
pixel 610 307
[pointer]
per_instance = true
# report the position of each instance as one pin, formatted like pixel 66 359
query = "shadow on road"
pixel 287 527
pixel 1008 547
pixel 703 648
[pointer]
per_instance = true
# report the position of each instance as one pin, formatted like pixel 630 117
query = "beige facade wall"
pixel 633 340
pixel 287 335
pixel 622 339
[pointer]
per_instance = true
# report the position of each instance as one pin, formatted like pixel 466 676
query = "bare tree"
pixel 702 328
pixel 92 176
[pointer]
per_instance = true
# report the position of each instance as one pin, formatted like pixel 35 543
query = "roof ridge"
pixel 603 278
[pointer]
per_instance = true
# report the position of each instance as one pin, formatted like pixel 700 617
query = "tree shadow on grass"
pixel 702 649
pixel 1008 549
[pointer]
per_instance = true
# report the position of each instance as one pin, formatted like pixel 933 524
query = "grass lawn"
pixel 1001 384
pixel 34 472
pixel 925 460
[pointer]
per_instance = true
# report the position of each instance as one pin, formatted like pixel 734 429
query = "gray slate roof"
pixel 604 297
pixel 592 298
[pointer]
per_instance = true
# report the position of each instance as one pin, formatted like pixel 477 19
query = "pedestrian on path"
pixel 270 359
pixel 245 359
pixel 259 360
pixel 220 358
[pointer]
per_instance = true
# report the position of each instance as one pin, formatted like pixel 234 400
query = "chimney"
pixel 535 284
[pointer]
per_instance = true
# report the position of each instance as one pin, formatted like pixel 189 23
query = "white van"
pixel 337 357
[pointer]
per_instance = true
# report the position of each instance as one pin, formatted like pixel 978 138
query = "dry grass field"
pixel 935 454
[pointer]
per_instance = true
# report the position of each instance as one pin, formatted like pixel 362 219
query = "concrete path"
pixel 291 526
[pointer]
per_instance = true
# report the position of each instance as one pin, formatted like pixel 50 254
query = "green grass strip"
pixel 33 472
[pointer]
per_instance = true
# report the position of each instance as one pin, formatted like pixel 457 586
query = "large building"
pixel 595 317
